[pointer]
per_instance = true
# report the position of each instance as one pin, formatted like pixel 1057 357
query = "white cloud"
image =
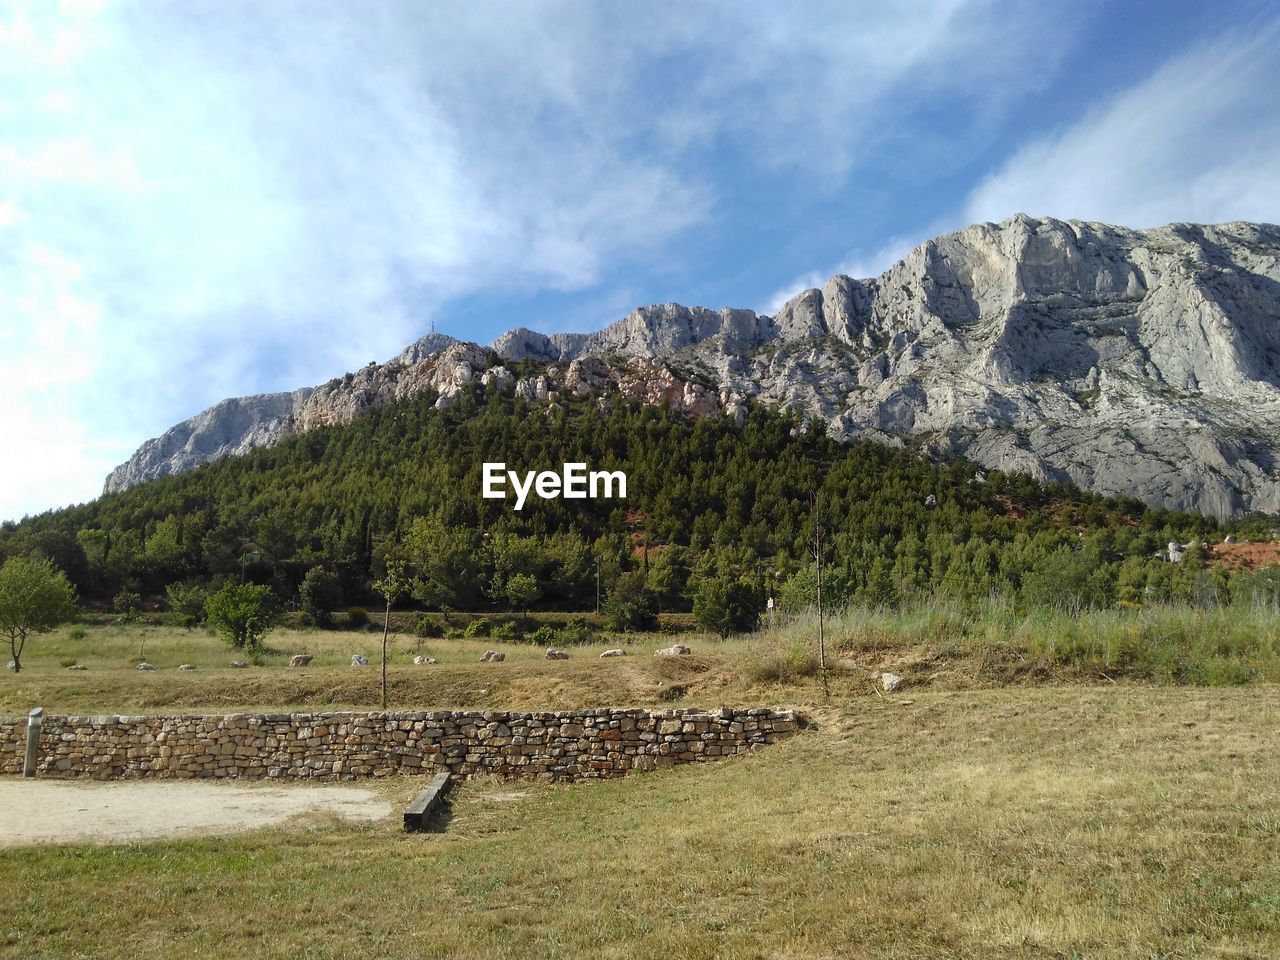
pixel 212 198
pixel 1199 140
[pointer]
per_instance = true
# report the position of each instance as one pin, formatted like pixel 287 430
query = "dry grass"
pixel 1024 823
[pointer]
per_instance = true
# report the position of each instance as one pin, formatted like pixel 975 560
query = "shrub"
pixel 425 626
pixel 357 617
pixel 128 604
pixel 577 632
pixel 187 601
pixel 77 633
pixel 507 633
pixel 545 636
pixel 479 627
pixel 67 662
pixel 785 664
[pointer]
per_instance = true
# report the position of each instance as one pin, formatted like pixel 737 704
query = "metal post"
pixel 35 719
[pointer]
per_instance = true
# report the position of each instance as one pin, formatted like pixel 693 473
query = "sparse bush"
pixel 507 632
pixel 479 627
pixel 784 664
pixel 77 633
pixel 545 636
pixel 426 627
pixel 577 633
pixel 128 604
pixel 357 617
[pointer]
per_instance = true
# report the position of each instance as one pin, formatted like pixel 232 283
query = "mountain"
pixel 1142 363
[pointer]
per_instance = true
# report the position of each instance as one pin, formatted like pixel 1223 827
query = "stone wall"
pixel 565 745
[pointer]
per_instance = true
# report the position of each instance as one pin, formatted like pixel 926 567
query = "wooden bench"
pixel 418 813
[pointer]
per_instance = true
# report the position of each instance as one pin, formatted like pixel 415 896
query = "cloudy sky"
pixel 207 198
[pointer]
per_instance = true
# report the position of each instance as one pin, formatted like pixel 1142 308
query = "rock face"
pixel 1138 363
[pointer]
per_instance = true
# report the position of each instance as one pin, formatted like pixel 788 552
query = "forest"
pixel 720 516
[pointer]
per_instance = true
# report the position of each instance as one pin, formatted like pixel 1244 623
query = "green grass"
pixel 936 645
pixel 1023 823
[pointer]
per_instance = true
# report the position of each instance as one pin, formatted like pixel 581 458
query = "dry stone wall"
pixel 563 745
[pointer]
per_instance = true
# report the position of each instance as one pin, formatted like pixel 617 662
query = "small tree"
pixel 523 592
pixel 243 613
pixel 320 595
pixel 631 606
pixel 726 606
pixel 393 585
pixel 187 600
pixel 128 604
pixel 35 597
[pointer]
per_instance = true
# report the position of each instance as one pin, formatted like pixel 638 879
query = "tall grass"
pixel 1179 644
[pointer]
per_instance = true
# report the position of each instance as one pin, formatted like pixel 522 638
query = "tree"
pixel 725 605
pixel 630 606
pixel 393 585
pixel 320 594
pixel 128 604
pixel 243 613
pixel 35 597
pixel 187 600
pixel 522 592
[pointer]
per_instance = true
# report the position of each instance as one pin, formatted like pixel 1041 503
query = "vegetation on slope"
pixel 718 515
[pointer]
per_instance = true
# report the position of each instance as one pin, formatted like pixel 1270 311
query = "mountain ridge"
pixel 1133 362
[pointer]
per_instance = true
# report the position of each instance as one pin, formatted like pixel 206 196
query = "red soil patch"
pixel 1245 556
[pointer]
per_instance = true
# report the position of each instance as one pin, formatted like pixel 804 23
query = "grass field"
pixel 1027 822
pixel 1042 788
pixel 934 645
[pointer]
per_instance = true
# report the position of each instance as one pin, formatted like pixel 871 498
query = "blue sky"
pixel 209 198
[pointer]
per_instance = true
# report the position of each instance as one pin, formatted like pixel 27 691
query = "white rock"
pixel 614 653
pixel 186 666
pixel 300 659
pixel 554 654
pixel 891 682
pixel 145 666
pixel 676 650
pixel 422 661
pixel 493 656
pixel 359 661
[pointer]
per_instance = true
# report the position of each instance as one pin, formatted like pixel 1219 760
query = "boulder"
pixel 145 666
pixel 614 653
pixel 186 666
pixel 891 682
pixel 300 659
pixel 77 666
pixel 675 650
pixel 554 654
pixel 422 661
pixel 240 664
pixel 493 656
pixel 359 661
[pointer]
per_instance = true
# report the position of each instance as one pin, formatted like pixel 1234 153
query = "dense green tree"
pixel 630 605
pixel 243 613
pixel 319 594
pixel 187 600
pixel 35 597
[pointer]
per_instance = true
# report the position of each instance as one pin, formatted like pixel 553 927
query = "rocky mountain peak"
pixel 1135 362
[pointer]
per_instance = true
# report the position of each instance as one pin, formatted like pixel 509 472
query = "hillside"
pixel 1131 363
pixel 719 499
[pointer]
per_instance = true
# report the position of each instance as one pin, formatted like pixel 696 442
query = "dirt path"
pixel 62 811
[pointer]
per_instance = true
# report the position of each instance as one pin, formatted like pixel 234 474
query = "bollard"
pixel 34 721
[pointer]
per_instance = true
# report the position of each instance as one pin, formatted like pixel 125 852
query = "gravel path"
pixel 63 811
